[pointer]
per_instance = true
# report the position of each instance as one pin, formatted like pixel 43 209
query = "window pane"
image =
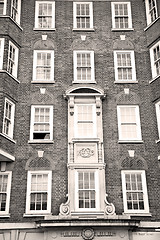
pixel 3 191
pixel 134 191
pixel 86 190
pixel 1 8
pixel 121 15
pixel 39 192
pixel 45 15
pixel 41 123
pixel 83 15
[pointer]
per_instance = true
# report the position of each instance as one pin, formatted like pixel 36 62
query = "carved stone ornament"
pixel 110 208
pixel 88 233
pixel 64 208
pixel 86 152
pixel 71 105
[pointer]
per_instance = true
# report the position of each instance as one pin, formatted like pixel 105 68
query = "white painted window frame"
pixel 35 65
pixel 37 10
pixel 1 52
pixel 153 67
pixel 75 14
pixel 33 107
pixel 15 63
pixel 30 173
pixel 145 194
pixel 92 66
pixel 138 124
pixel 149 21
pixel 157 105
pixel 11 128
pixel 129 15
pixel 18 14
pixel 96 172
pixel 131 52
pixel 9 174
pixel 93 118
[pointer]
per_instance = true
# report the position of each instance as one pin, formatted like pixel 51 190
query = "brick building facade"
pixel 79 119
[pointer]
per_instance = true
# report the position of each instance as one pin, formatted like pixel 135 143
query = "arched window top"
pixel 84 91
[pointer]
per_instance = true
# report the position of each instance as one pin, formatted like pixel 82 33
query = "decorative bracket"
pixel 98 106
pixel 110 208
pixel 71 105
pixel 65 208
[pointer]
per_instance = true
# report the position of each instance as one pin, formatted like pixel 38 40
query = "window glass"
pixel 8 120
pixel 121 15
pixel 86 190
pixel 45 14
pixel 83 15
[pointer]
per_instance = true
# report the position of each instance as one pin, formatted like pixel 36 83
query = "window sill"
pixel 122 29
pixel 17 24
pixel 125 81
pixel 85 139
pixel 14 78
pixel 130 141
pixel 83 30
pixel 154 79
pixel 87 213
pixel 41 141
pixel 43 81
pixel 141 214
pixel 83 82
pixel 36 214
pixel 151 23
pixel 3 215
pixel 5 136
pixel 44 29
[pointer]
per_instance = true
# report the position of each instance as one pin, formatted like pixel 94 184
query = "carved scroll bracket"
pixel 109 208
pixel 98 106
pixel 65 208
pixel 71 105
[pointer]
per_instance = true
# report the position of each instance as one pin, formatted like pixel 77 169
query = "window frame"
pixel 129 16
pixel 4 7
pixel 49 186
pixel 157 106
pixel 92 66
pixel 35 66
pixel 33 107
pixel 14 71
pixel 137 123
pixel 1 52
pixel 75 15
pixel 11 127
pixel 153 67
pixel 133 66
pixel 8 191
pixel 36 15
pixel 94 128
pixel 144 189
pixel 148 15
pixel 97 192
pixel 17 10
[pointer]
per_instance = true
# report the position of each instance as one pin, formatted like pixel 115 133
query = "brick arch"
pixel 131 98
pixel 123 45
pixel 38 98
pixel 39 163
pixel 47 44
pixel 133 163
